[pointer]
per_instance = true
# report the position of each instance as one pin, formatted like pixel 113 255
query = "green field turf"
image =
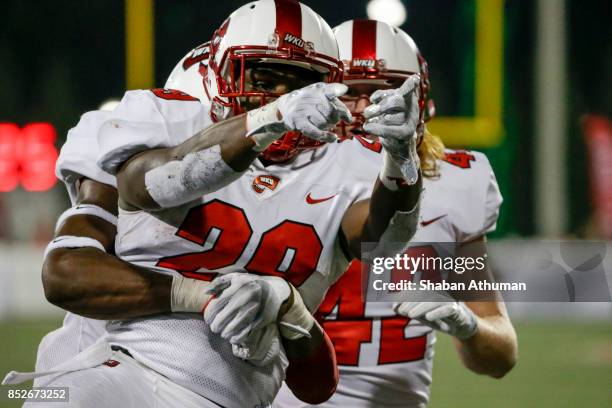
pixel 560 365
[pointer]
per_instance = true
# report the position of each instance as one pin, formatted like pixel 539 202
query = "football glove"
pixel 260 347
pixel 394 118
pixel 244 304
pixel 311 110
pixel 441 312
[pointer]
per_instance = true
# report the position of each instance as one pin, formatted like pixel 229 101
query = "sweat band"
pixel 85 209
pixel 70 241
pixel 181 181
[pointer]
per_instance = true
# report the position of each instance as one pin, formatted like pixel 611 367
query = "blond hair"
pixel 430 151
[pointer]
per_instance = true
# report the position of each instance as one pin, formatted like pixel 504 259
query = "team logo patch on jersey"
pixel 262 182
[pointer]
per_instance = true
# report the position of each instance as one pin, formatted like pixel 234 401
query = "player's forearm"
pixel 210 160
pixel 385 203
pixel 369 220
pixel 310 359
pixel 88 282
pixel 493 350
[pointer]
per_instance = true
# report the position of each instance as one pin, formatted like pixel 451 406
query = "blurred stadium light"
pixel 27 156
pixel 389 11
pixel 109 104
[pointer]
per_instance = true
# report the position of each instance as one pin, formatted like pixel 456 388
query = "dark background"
pixel 59 59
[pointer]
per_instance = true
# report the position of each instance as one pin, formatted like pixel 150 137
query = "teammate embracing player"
pixel 385 351
pixel 238 216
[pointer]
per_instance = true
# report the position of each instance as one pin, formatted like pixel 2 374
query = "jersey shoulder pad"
pixel 357 162
pixel 148 119
pixel 468 182
pixel 79 153
pixel 359 158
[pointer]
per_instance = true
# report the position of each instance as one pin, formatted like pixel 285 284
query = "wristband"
pixel 264 126
pixel 71 241
pixel 391 174
pixel 86 209
pixel 297 321
pixel 189 295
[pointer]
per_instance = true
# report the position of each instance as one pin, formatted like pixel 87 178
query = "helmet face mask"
pixel 261 81
pixel 232 79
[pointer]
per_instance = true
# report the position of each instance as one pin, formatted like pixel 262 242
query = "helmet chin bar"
pixel 287 147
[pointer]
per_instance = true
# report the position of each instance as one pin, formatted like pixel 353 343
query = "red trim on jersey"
pixel 288 17
pixel 364 39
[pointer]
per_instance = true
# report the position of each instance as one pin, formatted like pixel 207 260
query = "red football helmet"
pixel 378 53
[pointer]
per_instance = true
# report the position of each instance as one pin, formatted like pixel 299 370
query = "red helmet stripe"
pixel 364 39
pixel 288 17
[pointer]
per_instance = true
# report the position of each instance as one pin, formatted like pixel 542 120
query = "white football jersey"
pixel 78 156
pixel 386 360
pixel 77 159
pixel 280 220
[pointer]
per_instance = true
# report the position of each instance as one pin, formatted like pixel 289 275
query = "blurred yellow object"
pixel 485 128
pixel 139 42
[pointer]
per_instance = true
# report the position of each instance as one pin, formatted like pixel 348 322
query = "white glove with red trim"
pixel 443 314
pixel 312 110
pixel 394 118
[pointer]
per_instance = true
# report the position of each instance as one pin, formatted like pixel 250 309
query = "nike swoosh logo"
pixel 426 223
pixel 311 200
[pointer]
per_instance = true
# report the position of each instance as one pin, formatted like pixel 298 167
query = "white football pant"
pixel 122 382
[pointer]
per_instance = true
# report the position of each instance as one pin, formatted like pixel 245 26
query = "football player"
pixel 109 288
pixel 385 352
pixel 274 203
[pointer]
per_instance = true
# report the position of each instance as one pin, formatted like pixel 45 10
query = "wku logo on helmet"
pixel 262 182
pixel 363 63
pixel 200 53
pixel 295 41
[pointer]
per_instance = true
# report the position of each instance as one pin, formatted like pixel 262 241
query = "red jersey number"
pixel 460 159
pixel 290 250
pixel 349 328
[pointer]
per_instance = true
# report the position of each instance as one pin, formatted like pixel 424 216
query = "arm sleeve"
pixel 148 119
